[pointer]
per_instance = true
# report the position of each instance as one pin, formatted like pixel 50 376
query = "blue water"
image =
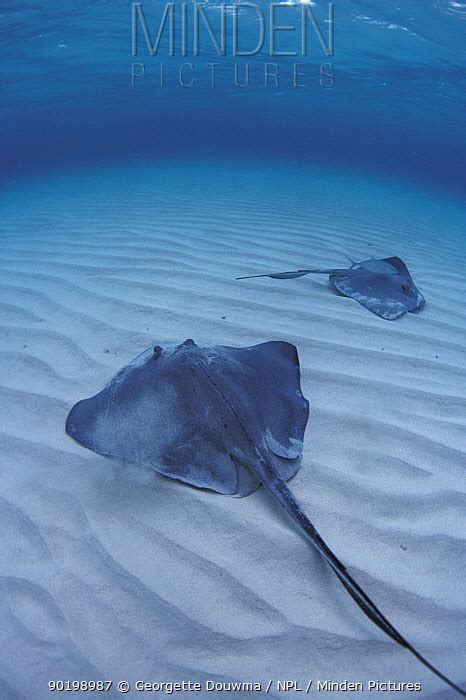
pixel 396 105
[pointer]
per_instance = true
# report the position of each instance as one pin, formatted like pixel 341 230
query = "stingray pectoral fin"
pixel 272 373
pixel 359 288
pixel 389 309
pixel 200 464
pixel 398 264
pixel 280 491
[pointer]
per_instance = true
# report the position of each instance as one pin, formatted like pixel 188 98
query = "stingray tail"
pixel 280 491
pixel 293 274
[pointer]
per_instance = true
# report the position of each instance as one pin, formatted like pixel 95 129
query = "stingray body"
pixel 384 286
pixel 168 410
pixel 219 418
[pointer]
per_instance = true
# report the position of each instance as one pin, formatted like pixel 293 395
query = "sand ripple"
pixel 108 572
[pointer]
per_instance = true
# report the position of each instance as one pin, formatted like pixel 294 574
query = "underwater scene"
pixel 232 349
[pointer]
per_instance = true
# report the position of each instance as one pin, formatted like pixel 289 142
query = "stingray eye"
pixel 157 352
pixel 406 288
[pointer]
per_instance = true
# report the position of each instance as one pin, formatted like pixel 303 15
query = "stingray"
pixel 385 286
pixel 219 418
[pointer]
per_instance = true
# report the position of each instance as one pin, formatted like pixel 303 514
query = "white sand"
pixel 112 572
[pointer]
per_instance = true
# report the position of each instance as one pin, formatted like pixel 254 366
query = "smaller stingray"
pixel 385 286
pixel 219 418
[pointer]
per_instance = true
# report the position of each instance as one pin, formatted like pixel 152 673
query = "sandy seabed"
pixel 112 572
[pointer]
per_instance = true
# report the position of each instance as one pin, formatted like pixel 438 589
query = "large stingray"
pixel 385 286
pixel 220 418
